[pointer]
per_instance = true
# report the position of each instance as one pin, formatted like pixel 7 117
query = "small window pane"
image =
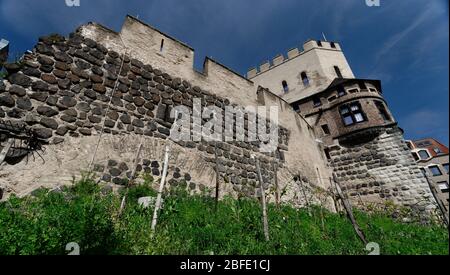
pixel 359 117
pixel 443 186
pixel 348 120
pixel 424 154
pixel 354 107
pixel 344 110
pixel 435 171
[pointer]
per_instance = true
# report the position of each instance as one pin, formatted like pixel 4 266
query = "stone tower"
pixel 360 137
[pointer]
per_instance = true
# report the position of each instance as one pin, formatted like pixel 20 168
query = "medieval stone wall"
pixel 63 92
pixel 382 169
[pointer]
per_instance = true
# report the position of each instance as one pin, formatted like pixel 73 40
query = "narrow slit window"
pixel 341 91
pixel 285 86
pixel 317 102
pixel 327 153
pixel 326 129
pixel 162 45
pixel 305 79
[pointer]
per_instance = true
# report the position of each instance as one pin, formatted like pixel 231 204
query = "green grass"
pixel 45 223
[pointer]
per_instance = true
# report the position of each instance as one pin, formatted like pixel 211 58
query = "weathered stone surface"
pixel 39 96
pixel 68 101
pixel 99 88
pixel 24 103
pixel 20 79
pixel 46 111
pixel 83 106
pixel 50 79
pixel 62 130
pixel 7 100
pixel 125 118
pixel 17 90
pixel 49 123
pixel 138 123
pixel 69 119
pixel 39 86
pixel 85 131
pixel 43 133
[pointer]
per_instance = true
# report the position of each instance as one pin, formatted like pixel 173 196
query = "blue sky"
pixel 404 43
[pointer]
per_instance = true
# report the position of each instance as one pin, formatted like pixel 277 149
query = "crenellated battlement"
pixel 291 54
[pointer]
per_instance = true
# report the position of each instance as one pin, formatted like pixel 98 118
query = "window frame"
pixel 305 79
pixel 421 157
pixel 285 86
pixel 317 102
pixel 438 169
pixel 325 129
pixel 352 113
pixel 445 190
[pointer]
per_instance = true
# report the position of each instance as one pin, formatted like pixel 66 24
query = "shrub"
pixel 47 221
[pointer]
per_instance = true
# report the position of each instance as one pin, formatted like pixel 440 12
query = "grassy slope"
pixel 189 225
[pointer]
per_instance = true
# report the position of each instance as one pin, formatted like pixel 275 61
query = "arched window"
pixel 285 86
pixel 305 79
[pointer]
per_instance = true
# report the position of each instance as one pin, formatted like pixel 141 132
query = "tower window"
pixel 317 102
pixel 383 112
pixel 333 45
pixel 443 186
pixel 285 86
pixel 319 43
pixel 435 171
pixel 352 113
pixel 162 45
pixel 327 153
pixel 341 91
pixel 338 72
pixel 424 154
pixel 296 107
pixel 305 79
pixel 326 129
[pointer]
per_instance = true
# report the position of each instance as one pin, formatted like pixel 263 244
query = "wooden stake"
pixel 277 187
pixel 217 177
pixel 133 175
pixel 349 210
pixel 161 188
pixel 263 201
pixel 5 150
